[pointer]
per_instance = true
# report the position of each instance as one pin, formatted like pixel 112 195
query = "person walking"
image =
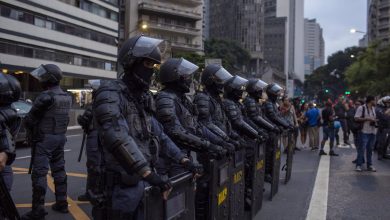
pixel 313 116
pixel 328 129
pixel 341 109
pixel 302 121
pixel 366 115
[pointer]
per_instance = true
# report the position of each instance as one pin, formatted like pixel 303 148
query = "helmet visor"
pixel 239 83
pixel 145 46
pixel 221 76
pixel 186 68
pixel 39 72
pixel 260 85
pixel 276 89
pixel 94 83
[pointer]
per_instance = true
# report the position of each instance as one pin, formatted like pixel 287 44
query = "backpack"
pixel 358 125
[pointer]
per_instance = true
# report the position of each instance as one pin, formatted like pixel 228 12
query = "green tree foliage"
pixel 370 74
pixel 328 81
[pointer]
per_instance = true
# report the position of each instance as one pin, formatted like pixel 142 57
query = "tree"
pixel 328 81
pixel 370 74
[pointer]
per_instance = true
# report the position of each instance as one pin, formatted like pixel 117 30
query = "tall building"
pixel 77 35
pixel 284 36
pixel 242 22
pixel 206 19
pixel 379 21
pixel 314 46
pixel 179 22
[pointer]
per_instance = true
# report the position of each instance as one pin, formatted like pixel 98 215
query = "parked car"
pixel 22 108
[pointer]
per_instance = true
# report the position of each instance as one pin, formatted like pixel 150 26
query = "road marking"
pixel 74 135
pixel 74 209
pixel 20 170
pixel 29 205
pixel 29 156
pixel 319 199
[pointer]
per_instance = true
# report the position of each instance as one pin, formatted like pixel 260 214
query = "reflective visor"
pixel 276 89
pixel 260 85
pixel 145 46
pixel 221 76
pixel 186 68
pixel 94 83
pixel 239 83
pixel 39 72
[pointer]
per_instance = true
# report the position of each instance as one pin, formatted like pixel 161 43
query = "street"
pixel 335 191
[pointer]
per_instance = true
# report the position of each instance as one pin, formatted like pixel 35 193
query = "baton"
pixel 82 146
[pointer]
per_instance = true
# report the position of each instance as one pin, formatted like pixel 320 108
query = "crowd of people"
pixel 136 139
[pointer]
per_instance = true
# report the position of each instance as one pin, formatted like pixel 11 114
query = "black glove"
pixel 83 121
pixel 194 168
pixel 262 135
pixel 155 180
pixel 277 130
pixel 217 151
pixel 229 147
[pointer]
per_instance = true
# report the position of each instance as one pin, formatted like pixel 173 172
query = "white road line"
pixel 319 199
pixel 353 146
pixel 25 157
pixel 74 135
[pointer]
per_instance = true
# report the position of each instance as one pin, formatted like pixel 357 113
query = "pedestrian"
pixel 366 115
pixel 353 126
pixel 383 140
pixel 9 124
pixel 303 123
pixel 313 117
pixel 328 129
pixel 48 121
pixel 341 109
pixel 288 113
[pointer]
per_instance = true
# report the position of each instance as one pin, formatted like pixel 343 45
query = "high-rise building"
pixel 78 36
pixel 179 22
pixel 314 46
pixel 242 22
pixel 284 36
pixel 379 21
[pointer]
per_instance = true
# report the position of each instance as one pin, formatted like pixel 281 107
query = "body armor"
pixel 254 112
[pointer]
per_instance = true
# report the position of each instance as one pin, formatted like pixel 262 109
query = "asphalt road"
pixel 349 195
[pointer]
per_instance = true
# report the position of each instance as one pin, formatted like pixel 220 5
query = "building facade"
pixel 179 22
pixel 379 21
pixel 314 46
pixel 77 35
pixel 242 22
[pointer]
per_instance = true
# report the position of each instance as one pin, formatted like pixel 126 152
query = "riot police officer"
pixel 50 113
pixel 253 136
pixel 383 114
pixel 253 108
pixel 9 126
pixel 209 103
pixel 177 114
pixel 131 139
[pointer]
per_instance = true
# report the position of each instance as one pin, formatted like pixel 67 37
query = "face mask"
pixel 142 76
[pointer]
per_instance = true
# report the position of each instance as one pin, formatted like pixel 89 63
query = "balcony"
pixel 384 5
pixel 185 47
pixel 192 3
pixel 172 28
pixel 383 25
pixel 170 10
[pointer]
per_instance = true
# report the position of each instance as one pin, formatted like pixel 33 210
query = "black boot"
pixel 60 206
pixel 84 197
pixel 38 213
pixel 332 153
pixel 322 152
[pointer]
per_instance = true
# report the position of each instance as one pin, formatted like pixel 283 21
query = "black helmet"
pixel 47 74
pixel 256 85
pixel 177 72
pixel 10 89
pixel 139 47
pixel 235 87
pixel 273 90
pixel 215 74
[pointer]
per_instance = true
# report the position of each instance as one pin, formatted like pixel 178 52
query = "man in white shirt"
pixel 365 114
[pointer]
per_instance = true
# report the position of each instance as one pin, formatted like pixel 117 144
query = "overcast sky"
pixel 336 18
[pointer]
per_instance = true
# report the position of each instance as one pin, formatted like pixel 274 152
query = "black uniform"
pixel 383 139
pixel 48 121
pixel 9 126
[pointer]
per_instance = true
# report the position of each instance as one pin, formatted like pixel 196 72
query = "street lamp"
pixel 353 31
pixel 352 56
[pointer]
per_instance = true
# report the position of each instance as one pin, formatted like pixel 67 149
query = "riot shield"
pixel 275 169
pixel 237 181
pixel 180 204
pixel 255 181
pixel 219 188
pixel 7 205
pixel 289 159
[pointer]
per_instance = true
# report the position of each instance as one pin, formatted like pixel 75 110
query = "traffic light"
pixel 326 90
pixel 302 101
pixel 347 93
